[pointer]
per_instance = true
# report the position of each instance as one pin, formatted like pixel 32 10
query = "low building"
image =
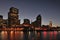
pixel 37 22
pixel 5 23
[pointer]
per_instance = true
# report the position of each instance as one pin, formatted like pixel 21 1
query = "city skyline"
pixel 13 22
pixel 30 9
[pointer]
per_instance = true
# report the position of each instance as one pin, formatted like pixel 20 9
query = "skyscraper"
pixel 13 18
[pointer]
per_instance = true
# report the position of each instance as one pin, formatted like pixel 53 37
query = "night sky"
pixel 31 8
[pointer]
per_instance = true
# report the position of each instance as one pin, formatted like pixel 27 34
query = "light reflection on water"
pixel 31 35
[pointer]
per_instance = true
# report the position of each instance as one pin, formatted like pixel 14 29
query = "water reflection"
pixel 58 36
pixel 29 35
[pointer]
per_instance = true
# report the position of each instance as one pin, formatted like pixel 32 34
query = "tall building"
pixel 37 23
pixel 13 18
pixel 1 21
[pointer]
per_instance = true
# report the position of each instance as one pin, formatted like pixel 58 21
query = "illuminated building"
pixel 13 20
pixel 1 21
pixel 37 23
pixel 5 23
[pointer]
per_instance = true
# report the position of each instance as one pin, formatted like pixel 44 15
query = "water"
pixel 31 35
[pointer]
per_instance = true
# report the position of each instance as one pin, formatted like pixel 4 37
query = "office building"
pixel 13 18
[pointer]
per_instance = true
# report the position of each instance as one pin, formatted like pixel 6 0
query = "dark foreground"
pixel 29 35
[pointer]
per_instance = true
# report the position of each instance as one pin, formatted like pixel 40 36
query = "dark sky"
pixel 31 8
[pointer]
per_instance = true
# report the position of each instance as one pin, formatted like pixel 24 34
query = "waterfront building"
pixel 5 23
pixel 26 22
pixel 13 18
pixel 1 21
pixel 37 22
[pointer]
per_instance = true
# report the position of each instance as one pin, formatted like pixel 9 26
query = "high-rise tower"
pixel 13 20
